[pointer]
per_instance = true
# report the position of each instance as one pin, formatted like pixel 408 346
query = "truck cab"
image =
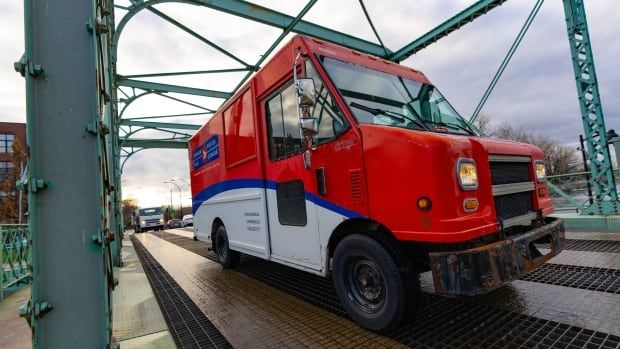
pixel 149 218
pixel 336 162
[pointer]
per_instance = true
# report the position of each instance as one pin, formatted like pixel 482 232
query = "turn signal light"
pixel 424 204
pixel 542 191
pixel 470 205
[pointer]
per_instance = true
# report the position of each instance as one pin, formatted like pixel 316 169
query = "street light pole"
pixel 179 188
pixel 189 188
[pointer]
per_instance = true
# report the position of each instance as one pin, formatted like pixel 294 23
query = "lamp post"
pixel 189 188
pixel 179 188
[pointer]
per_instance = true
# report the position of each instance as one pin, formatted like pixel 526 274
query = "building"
pixel 11 133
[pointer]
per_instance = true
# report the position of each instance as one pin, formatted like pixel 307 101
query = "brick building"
pixel 11 133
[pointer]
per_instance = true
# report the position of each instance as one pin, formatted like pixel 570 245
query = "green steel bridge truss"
pixel 79 82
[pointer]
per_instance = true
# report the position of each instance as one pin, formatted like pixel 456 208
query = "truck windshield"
pixel 419 104
pixel 150 211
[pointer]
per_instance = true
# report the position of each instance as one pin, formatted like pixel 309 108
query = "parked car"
pixel 188 220
pixel 175 223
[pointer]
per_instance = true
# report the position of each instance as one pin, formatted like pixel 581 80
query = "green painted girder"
pixel 198 36
pixel 274 44
pixel 507 58
pixel 454 23
pixel 187 72
pixel 149 124
pixel 155 86
pixel 277 19
pixel 605 194
pixel 265 16
pixel 156 143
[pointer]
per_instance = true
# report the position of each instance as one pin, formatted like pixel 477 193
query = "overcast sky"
pixel 537 91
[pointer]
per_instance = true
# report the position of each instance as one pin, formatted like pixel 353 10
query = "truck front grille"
pixel 512 188
pixel 509 172
pixel 513 205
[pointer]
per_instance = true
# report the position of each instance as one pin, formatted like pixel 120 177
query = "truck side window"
pixel 331 119
pixel 283 124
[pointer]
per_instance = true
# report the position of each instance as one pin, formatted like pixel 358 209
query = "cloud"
pixel 537 91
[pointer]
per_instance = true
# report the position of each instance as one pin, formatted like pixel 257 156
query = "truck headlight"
pixel 143 222
pixel 467 174
pixel 161 220
pixel 541 171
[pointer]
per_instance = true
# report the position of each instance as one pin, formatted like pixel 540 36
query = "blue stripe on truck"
pixel 221 187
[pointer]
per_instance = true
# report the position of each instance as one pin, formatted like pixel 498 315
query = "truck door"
pixel 302 210
pixel 293 226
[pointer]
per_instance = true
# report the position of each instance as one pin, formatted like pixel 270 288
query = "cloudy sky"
pixel 537 91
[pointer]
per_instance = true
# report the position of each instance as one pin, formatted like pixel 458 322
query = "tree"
pixel 560 158
pixel 9 194
pixel 129 207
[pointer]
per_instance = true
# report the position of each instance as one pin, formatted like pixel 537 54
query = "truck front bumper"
pixel 485 268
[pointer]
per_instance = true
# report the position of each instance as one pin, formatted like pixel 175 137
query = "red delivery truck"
pixel 339 163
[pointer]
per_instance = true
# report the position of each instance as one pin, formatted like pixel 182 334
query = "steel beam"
pixel 265 16
pixel 507 58
pixel 70 300
pixel 454 23
pixel 148 124
pixel 605 193
pixel 190 72
pixel 154 86
pixel 155 143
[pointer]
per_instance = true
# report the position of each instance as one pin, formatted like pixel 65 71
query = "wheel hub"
pixel 366 284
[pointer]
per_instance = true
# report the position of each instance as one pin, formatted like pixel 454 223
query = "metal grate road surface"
pixel 590 245
pixel 189 327
pixel 440 322
pixel 587 278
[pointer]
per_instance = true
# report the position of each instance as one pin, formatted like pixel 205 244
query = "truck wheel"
pixel 227 257
pixel 369 283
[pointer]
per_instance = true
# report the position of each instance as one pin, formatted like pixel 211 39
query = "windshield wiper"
pixel 394 115
pixel 458 127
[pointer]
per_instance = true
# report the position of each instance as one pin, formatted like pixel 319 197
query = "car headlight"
pixel 143 222
pixel 467 174
pixel 161 220
pixel 541 171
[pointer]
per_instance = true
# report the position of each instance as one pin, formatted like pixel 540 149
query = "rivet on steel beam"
pixel 89 25
pixel 92 127
pixel 35 69
pixel 25 311
pixel 41 308
pixel 96 238
pixel 20 66
pixel 36 184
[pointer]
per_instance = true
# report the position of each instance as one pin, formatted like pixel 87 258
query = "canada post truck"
pixel 344 164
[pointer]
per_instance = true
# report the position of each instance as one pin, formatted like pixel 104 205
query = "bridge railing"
pixel 15 258
pixel 570 191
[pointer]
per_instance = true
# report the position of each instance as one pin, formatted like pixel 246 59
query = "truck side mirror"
pixel 309 126
pixel 305 92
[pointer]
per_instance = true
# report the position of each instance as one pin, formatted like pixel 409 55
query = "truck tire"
pixel 369 283
pixel 227 257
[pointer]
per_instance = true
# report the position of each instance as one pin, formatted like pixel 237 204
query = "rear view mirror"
pixel 309 126
pixel 305 92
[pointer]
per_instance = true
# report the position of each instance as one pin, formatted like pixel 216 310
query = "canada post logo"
pixel 206 153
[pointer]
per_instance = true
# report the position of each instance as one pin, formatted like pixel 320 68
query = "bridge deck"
pixel 262 304
pixel 573 301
